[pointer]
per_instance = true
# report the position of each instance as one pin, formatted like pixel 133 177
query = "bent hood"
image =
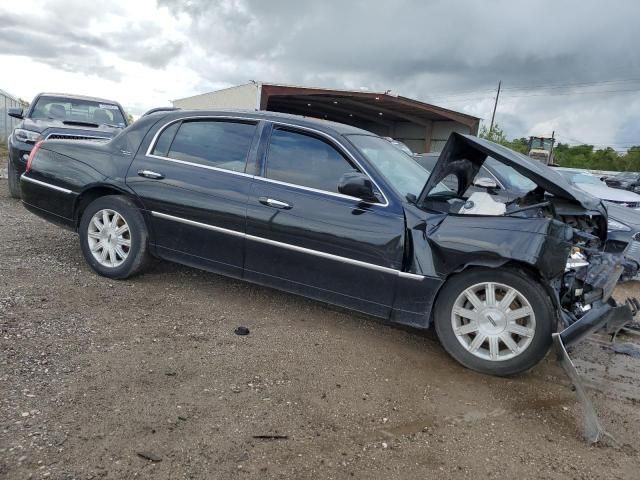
pixel 464 155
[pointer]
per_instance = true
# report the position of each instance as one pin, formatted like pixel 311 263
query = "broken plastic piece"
pixel 241 331
pixel 481 203
pixel 593 431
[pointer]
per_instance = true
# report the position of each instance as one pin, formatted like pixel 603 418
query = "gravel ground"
pixel 98 374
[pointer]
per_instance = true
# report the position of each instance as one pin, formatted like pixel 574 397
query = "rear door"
pixel 304 236
pixel 194 184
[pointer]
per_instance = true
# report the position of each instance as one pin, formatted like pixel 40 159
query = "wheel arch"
pixel 510 264
pixel 96 191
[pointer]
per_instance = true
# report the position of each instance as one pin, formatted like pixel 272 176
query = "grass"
pixel 4 151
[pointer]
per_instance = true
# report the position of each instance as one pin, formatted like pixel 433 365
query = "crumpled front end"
pixel 588 306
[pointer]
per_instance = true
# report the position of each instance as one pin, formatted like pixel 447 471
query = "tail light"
pixel 32 155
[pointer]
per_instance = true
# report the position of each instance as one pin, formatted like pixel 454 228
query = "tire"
pixel 121 249
pixel 505 339
pixel 14 180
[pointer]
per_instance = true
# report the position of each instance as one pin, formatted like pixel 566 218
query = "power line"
pixel 570 85
pixel 472 94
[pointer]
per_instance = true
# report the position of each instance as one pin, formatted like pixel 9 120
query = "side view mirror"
pixel 356 184
pixel 485 182
pixel 16 113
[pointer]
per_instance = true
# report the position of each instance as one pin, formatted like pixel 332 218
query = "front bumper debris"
pixel 610 316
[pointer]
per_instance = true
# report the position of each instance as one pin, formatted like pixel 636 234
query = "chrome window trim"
pixel 199 165
pixel 342 148
pixel 288 246
pixel 45 184
pixel 315 190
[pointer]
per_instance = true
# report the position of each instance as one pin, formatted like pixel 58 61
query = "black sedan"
pixel 339 214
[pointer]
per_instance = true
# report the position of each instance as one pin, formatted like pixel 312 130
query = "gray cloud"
pixel 426 48
pixel 65 41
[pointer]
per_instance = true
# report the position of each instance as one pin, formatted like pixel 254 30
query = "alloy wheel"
pixel 493 321
pixel 109 238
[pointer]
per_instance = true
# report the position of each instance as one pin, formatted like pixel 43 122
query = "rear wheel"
pixel 494 321
pixel 14 180
pixel 113 237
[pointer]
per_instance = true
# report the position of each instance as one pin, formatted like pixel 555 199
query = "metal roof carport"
pixel 423 127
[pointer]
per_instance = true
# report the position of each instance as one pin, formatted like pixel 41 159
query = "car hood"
pixel 464 155
pixel 40 125
pixel 628 216
pixel 606 193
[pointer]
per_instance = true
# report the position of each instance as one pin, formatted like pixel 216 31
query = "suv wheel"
pixel 494 321
pixel 113 237
pixel 14 180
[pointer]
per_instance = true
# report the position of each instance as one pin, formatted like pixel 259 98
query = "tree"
pixel 497 135
pixel 576 156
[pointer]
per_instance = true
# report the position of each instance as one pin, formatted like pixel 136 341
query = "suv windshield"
pixel 78 110
pixel 399 169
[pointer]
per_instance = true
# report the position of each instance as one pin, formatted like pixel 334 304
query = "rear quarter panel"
pixel 73 166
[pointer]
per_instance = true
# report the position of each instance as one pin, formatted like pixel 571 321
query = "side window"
pixel 165 139
pixel 220 144
pixel 305 160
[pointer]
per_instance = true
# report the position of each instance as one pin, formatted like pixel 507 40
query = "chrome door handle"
pixel 151 174
pixel 270 202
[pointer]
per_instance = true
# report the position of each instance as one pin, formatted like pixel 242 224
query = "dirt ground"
pixel 95 373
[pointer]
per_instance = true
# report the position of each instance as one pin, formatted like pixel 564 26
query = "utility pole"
pixel 495 105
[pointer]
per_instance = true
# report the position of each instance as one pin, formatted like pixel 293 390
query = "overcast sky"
pixel 452 53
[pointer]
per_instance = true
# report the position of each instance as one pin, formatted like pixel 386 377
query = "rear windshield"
pixel 77 110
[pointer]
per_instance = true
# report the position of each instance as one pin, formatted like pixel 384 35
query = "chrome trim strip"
pixel 344 151
pixel 410 276
pixel 257 177
pixel 288 246
pixel 45 184
pixel 315 190
pixel 198 224
pixel 163 128
pixel 192 164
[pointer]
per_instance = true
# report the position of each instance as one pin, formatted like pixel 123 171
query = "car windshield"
pixel 579 177
pixel 78 110
pixel 509 175
pixel 398 168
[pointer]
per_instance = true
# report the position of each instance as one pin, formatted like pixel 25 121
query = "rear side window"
pixel 305 160
pixel 219 144
pixel 165 139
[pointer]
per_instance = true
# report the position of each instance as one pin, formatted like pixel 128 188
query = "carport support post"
pixel 428 133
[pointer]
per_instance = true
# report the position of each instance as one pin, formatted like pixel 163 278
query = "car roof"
pixel 77 97
pixel 296 120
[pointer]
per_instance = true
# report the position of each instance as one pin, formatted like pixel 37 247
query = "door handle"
pixel 151 174
pixel 270 202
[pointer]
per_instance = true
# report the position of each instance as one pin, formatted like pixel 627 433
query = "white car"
pixel 591 184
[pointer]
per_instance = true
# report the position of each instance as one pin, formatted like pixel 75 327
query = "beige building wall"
pixel 242 97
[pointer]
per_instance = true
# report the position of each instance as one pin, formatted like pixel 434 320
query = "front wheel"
pixel 113 237
pixel 494 321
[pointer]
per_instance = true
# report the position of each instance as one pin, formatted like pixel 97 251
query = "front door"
pixel 304 236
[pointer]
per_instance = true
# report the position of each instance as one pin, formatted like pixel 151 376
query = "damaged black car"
pixel 338 214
